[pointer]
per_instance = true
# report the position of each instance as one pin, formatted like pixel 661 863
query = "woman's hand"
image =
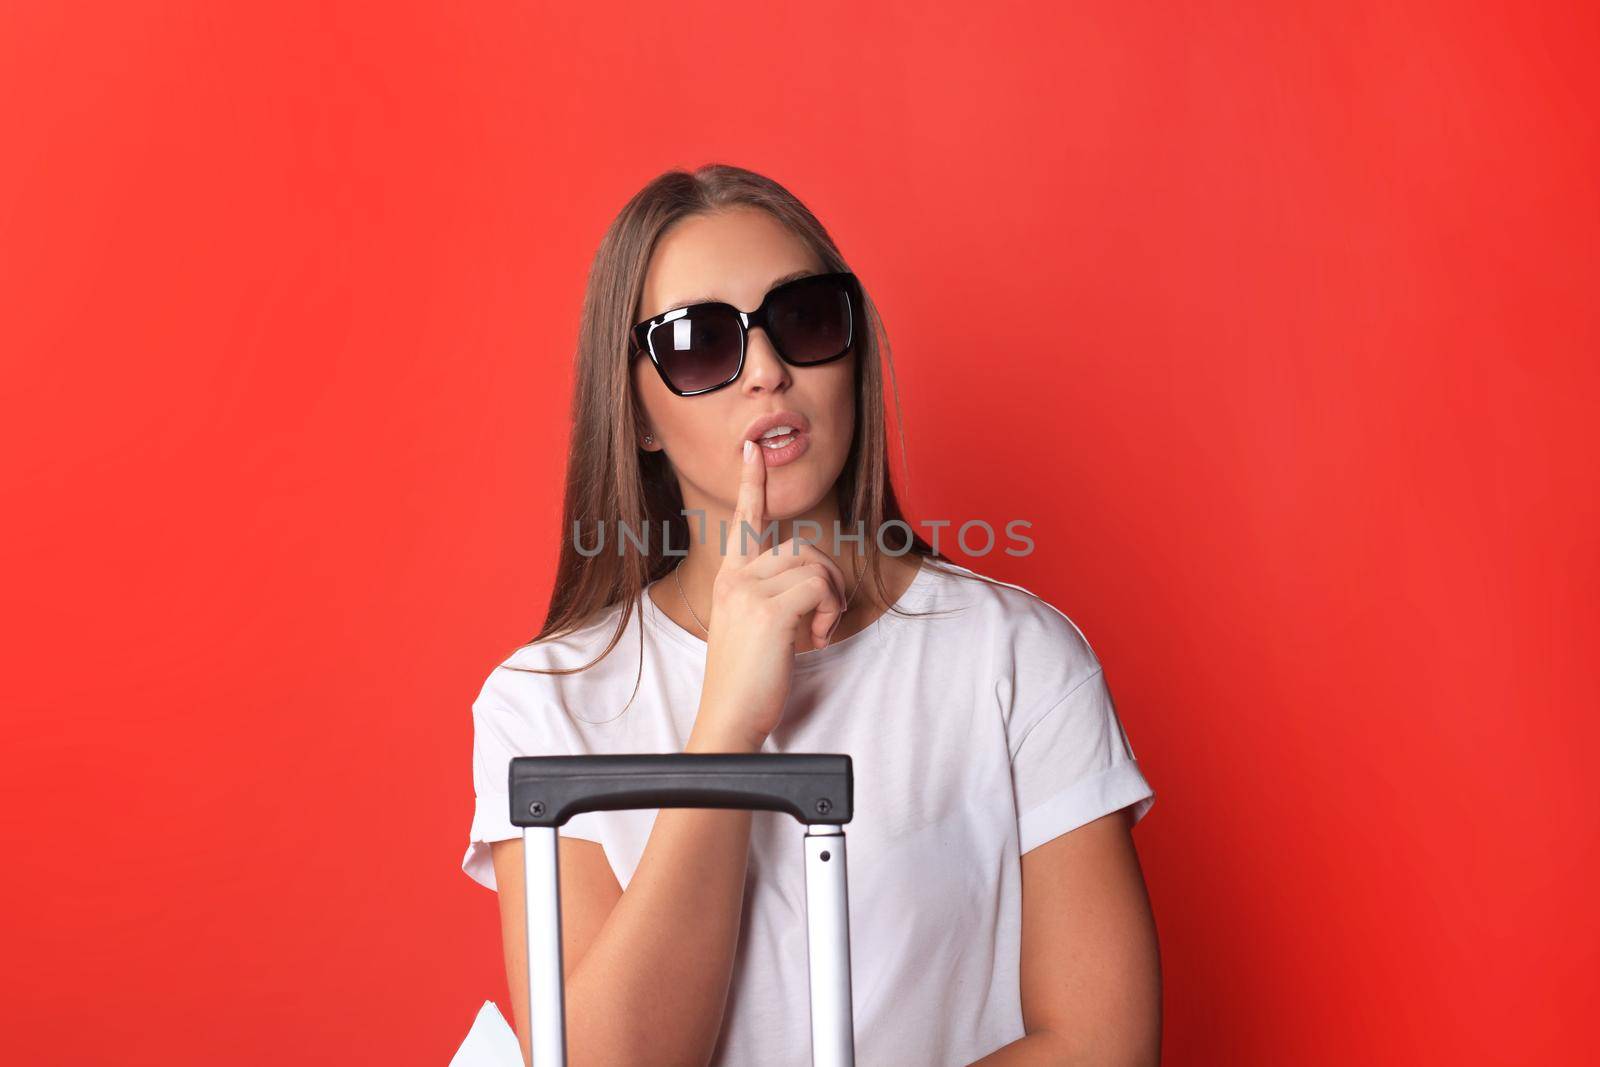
pixel 758 604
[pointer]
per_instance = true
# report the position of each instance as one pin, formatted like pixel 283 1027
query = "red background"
pixel 1296 382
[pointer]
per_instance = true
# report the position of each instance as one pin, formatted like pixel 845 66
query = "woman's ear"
pixel 642 434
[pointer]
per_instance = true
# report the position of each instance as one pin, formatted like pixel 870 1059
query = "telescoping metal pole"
pixel 541 866
pixel 828 947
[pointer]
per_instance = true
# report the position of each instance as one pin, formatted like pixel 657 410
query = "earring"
pixel 649 438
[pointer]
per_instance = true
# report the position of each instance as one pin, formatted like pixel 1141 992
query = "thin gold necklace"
pixel 679 581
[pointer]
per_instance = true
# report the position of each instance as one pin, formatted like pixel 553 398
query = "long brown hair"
pixel 610 481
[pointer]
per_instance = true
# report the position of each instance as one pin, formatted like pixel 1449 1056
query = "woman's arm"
pixel 1091 967
pixel 646 971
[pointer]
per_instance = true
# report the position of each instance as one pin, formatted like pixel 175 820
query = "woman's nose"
pixel 763 370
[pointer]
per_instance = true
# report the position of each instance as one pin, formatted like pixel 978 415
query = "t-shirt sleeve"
pixel 1071 761
pixel 500 733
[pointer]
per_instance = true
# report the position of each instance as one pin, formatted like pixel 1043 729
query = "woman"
pixel 997 909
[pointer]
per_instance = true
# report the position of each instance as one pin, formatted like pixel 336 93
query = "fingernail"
pixel 749 450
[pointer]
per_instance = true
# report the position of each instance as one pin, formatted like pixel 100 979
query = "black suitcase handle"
pixel 548 790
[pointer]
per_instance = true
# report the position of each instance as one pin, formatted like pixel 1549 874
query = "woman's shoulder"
pixel 574 664
pixel 1011 618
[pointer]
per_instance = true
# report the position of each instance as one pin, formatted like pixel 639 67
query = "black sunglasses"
pixel 700 348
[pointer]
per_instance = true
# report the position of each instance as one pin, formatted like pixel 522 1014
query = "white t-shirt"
pixel 974 735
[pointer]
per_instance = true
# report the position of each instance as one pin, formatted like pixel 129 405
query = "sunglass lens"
pixel 698 351
pixel 810 320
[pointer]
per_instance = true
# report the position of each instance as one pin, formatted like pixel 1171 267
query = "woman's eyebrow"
pixel 793 275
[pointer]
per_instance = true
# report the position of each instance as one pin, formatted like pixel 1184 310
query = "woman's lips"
pixel 794 447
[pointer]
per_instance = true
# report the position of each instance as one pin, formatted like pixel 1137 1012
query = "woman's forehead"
pixel 731 257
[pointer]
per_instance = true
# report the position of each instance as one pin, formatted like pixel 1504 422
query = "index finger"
pixel 751 505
